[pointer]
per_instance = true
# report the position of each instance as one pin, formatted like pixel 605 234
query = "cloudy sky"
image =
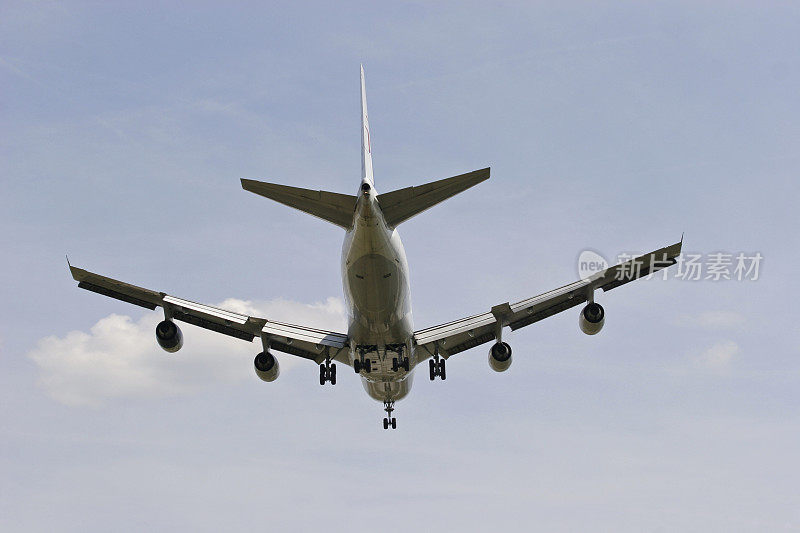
pixel 611 127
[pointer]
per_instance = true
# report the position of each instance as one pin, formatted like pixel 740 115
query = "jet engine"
pixel 267 367
pixel 500 357
pixel 169 336
pixel 592 318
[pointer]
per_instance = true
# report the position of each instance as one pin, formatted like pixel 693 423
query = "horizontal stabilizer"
pixel 402 204
pixel 333 207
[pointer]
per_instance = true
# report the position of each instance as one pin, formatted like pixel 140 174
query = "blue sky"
pixel 608 126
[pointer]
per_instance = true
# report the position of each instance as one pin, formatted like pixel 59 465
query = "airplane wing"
pixel 302 341
pixel 454 337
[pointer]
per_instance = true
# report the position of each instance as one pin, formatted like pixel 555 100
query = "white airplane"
pixel 381 344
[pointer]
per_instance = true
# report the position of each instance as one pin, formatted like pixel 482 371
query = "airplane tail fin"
pixel 331 206
pixel 366 144
pixel 402 204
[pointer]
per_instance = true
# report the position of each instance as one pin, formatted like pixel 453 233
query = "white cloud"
pixel 713 320
pixel 719 356
pixel 119 357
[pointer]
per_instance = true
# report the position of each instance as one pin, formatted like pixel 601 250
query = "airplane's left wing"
pixel 454 337
pixel 302 341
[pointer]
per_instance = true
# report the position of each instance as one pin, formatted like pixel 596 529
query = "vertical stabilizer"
pixel 366 145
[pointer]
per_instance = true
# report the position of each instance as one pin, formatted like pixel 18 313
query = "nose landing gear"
pixel 388 406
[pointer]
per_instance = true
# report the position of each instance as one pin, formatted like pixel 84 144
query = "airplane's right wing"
pixel 454 337
pixel 302 341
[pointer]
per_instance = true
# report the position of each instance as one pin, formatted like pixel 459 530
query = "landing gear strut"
pixel 400 362
pixel 365 365
pixel 388 406
pixel 437 367
pixel 362 363
pixel 327 372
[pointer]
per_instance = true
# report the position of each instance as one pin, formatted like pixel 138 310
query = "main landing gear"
pixel 362 363
pixel 400 362
pixel 388 406
pixel 365 365
pixel 437 367
pixel 327 372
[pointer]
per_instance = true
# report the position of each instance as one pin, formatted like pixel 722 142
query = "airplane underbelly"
pixel 388 390
pixel 375 284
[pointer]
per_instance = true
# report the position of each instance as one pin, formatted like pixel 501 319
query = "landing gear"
pixel 362 363
pixel 327 372
pixel 388 406
pixel 437 368
pixel 400 362
pixel 365 365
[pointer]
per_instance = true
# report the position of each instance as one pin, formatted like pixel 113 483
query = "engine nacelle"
pixel 267 368
pixel 592 318
pixel 500 357
pixel 169 336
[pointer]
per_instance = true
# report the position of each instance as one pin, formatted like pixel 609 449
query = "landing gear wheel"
pixel 437 368
pixel 394 423
pixel 327 372
pixel 385 423
pixel 402 362
pixel 357 366
pixel 367 366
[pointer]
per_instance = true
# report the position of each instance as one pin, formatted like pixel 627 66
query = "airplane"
pixel 381 344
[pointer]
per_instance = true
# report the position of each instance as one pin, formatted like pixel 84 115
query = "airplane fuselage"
pixel 375 280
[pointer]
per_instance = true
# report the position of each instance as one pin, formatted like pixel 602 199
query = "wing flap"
pixel 213 325
pixel 454 328
pixel 310 335
pixel 207 310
